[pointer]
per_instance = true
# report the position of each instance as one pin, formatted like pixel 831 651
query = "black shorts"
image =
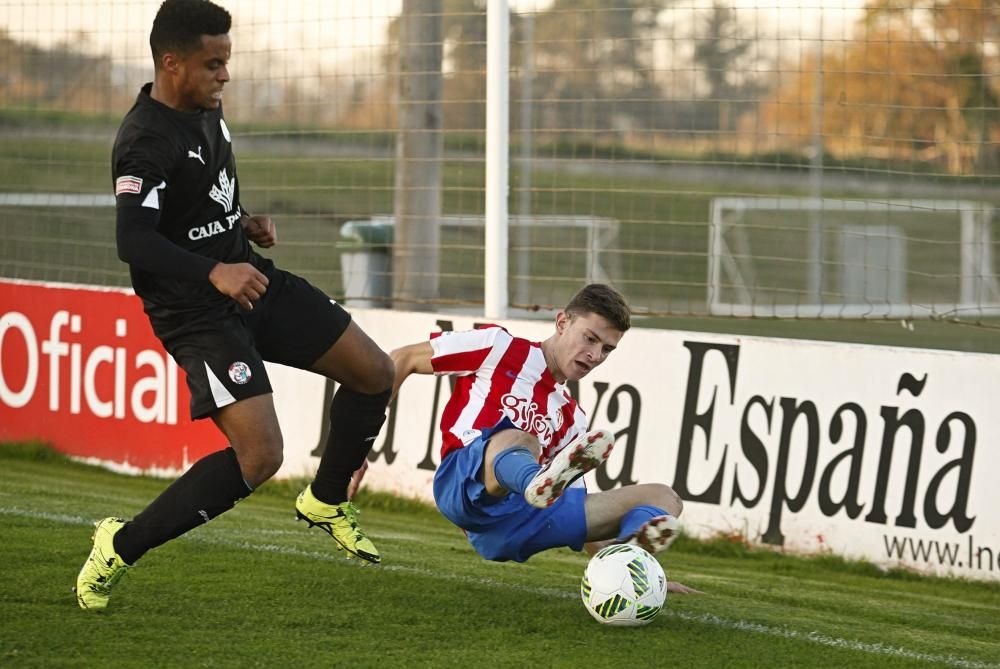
pixel 223 354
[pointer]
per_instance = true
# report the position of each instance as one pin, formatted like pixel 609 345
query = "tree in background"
pixel 463 27
pixel 724 52
pixel 593 62
pixel 595 68
pixel 917 83
pixel 62 78
pixel 464 33
pixel 598 67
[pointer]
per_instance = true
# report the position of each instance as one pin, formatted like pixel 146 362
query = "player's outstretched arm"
pixel 681 589
pixel 356 478
pixel 412 359
pixel 592 547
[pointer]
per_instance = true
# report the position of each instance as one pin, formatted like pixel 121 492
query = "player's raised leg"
pixel 357 413
pixel 103 568
pixel 212 486
pixel 511 464
pixel 645 515
pixel 580 456
pixel 510 460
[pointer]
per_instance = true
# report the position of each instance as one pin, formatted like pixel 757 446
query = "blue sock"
pixel 514 468
pixel 635 518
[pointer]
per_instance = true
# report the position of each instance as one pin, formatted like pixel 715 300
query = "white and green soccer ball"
pixel 623 585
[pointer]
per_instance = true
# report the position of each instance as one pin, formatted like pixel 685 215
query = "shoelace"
pixel 351 513
pixel 111 579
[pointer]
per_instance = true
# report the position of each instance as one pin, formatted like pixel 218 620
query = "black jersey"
pixel 175 172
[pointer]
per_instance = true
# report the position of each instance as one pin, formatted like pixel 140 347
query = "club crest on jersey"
pixel 223 193
pixel 469 436
pixel 239 372
pixel 525 416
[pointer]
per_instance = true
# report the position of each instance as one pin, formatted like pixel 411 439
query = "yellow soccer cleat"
pixel 340 521
pixel 103 568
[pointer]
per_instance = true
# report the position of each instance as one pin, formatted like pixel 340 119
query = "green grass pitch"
pixel 255 588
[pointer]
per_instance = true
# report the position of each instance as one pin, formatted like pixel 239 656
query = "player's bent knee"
pixel 259 461
pixel 505 439
pixel 264 467
pixel 273 461
pixel 384 373
pixel 669 499
pixel 378 377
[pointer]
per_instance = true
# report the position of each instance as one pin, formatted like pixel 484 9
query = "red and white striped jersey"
pixel 502 375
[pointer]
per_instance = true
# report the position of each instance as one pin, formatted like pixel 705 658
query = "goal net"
pixel 839 258
pixel 664 148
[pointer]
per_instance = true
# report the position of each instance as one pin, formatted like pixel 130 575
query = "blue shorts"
pixel 504 528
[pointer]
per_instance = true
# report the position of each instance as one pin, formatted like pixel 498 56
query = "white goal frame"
pixel 979 289
pixel 601 232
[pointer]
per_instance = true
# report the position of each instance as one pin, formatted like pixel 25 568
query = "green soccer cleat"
pixel 340 521
pixel 103 568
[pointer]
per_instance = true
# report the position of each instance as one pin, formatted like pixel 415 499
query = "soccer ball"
pixel 623 585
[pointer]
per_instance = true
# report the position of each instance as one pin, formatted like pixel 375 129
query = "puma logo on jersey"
pixel 192 154
pixel 223 193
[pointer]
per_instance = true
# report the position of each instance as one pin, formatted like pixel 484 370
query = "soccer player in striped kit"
pixel 515 442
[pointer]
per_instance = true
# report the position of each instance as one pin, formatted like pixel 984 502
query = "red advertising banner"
pixel 81 369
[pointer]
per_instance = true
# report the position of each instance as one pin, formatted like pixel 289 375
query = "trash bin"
pixel 366 262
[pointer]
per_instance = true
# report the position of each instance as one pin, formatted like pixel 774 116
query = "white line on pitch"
pixel 702 618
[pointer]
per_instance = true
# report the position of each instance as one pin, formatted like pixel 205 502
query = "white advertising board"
pixel 880 453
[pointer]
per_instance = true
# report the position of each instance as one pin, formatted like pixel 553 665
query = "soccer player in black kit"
pixel 221 310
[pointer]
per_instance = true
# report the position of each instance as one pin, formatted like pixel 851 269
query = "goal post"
pixel 567 248
pixel 841 258
pixel 574 247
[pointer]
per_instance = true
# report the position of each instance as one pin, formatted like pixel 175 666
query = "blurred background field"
pixel 312 197
pixel 629 124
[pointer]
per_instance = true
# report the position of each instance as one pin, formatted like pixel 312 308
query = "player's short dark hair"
pixel 604 301
pixel 179 25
